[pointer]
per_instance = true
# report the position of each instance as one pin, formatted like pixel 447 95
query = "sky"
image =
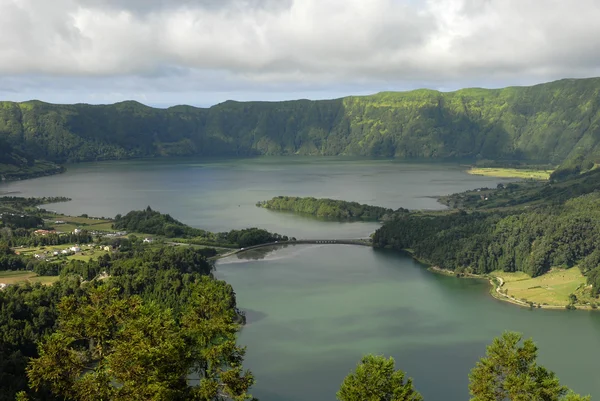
pixel 203 52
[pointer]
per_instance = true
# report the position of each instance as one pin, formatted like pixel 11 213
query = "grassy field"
pixel 41 249
pixel 71 223
pixel 511 173
pixel 87 255
pixel 552 288
pixel 13 277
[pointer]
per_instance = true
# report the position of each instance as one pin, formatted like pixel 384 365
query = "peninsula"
pixel 330 208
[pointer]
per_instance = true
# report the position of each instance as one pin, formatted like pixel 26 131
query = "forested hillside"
pixel 555 123
pixel 16 164
pixel 527 227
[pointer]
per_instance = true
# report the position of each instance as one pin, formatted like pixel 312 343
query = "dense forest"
pixel 330 208
pixel 557 122
pixel 530 227
pixel 154 316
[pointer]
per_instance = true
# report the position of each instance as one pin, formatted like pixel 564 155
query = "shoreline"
pixel 511 172
pixel 496 284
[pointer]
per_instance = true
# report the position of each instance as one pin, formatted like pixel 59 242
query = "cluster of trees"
pixel 152 222
pixel 526 193
pixel 471 123
pixel 253 236
pixel 17 212
pixel 9 260
pixel 25 237
pixel 21 221
pixel 130 326
pixel 531 236
pixel 509 371
pixel 330 208
pixel 20 203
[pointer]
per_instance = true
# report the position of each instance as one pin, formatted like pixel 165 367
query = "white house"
pixel 77 231
pixel 75 249
pixel 148 240
pixel 65 251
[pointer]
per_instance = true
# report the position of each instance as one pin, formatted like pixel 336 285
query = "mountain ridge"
pixel 556 122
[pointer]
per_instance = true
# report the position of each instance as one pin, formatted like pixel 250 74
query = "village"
pixel 97 238
pixel 82 252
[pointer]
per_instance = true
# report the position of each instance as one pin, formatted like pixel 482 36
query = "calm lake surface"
pixel 314 310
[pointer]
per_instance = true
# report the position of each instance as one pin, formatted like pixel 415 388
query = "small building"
pixel 65 252
pixel 77 231
pixel 75 249
pixel 107 248
pixel 148 240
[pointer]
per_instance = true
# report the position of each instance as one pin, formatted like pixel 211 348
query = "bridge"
pixel 357 241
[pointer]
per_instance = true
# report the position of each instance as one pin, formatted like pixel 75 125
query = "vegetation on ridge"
pixel 557 122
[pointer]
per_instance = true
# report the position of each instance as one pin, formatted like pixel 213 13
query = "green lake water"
pixel 313 310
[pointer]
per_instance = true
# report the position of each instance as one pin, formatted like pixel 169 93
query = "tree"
pixel 376 379
pixel 509 371
pixel 111 347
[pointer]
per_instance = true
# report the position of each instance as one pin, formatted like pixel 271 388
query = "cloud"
pixel 296 43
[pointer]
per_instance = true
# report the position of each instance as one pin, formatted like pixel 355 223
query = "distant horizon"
pixel 165 105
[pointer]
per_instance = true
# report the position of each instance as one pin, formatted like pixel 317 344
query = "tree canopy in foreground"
pixel 508 372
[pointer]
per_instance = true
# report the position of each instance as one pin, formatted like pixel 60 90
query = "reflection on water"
pixel 314 310
pixel 259 253
pixel 221 194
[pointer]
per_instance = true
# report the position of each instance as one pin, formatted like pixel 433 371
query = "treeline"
pixel 526 193
pixel 28 237
pixel 20 203
pixel 149 221
pixel 532 236
pixel 127 327
pixel 9 260
pixel 330 208
pixel 476 124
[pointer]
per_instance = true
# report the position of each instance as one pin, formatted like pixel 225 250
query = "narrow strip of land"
pixel 358 241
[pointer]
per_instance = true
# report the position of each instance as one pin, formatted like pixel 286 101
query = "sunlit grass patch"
pixel 512 173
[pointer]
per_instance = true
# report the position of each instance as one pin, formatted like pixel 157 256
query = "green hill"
pixel 557 122
pixel 16 165
pixel 531 227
